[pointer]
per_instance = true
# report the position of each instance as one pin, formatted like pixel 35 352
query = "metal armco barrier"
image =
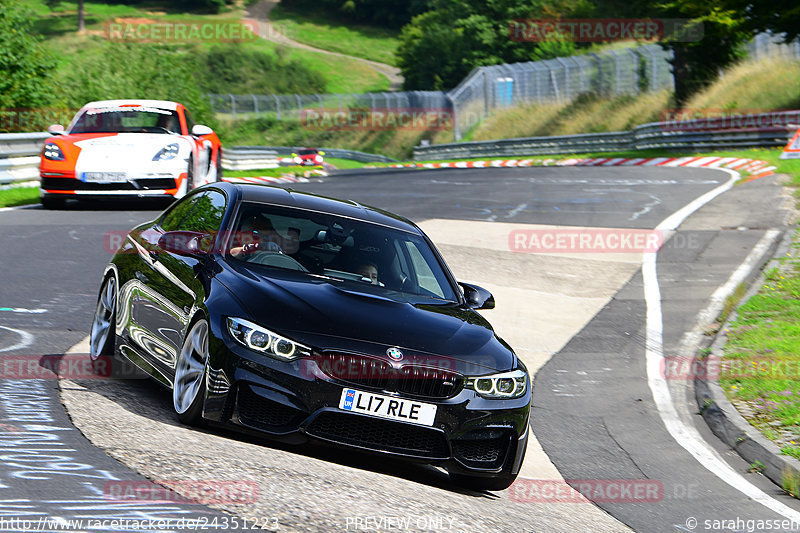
pixel 775 131
pixel 249 158
pixel 19 156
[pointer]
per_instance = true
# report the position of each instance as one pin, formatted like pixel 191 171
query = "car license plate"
pixel 387 407
pixel 105 177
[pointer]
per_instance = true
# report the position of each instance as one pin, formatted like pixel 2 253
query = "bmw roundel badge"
pixel 394 353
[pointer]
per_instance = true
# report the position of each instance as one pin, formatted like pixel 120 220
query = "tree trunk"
pixel 81 18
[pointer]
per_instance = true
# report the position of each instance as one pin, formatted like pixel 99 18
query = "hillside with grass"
pixel 249 65
pixel 748 87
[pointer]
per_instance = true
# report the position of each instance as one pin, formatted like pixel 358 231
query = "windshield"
pixel 307 152
pixel 353 254
pixel 127 120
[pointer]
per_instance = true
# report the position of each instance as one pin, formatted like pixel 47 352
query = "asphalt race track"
pixel 579 317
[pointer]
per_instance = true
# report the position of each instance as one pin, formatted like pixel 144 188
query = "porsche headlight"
pixel 53 152
pixel 262 340
pixel 168 152
pixel 503 386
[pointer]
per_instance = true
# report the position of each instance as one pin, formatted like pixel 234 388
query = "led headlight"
pixel 53 152
pixel 503 386
pixel 265 341
pixel 168 152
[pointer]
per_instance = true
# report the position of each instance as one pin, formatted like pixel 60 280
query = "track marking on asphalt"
pixel 30 206
pixel 23 310
pixel 26 339
pixel 687 436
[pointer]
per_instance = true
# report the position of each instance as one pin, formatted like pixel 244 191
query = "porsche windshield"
pixel 359 255
pixel 127 120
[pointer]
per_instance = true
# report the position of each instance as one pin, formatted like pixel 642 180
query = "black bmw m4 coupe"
pixel 300 317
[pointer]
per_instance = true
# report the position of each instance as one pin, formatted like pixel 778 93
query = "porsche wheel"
pixel 53 203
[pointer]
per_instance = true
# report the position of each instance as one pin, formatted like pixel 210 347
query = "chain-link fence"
pixel 293 106
pixel 766 45
pixel 489 89
pixel 560 80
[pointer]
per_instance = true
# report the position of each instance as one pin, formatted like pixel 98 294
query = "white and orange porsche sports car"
pixel 128 148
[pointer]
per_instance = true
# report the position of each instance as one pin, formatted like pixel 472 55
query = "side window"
pixel 207 213
pixel 171 221
pixel 198 212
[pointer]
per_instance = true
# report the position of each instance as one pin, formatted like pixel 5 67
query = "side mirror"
pixel 185 243
pixel 322 153
pixel 56 129
pixel 198 130
pixel 294 154
pixel 477 297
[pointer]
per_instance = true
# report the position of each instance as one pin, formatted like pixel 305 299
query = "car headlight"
pixel 262 340
pixel 503 386
pixel 168 152
pixel 53 152
pixel 298 160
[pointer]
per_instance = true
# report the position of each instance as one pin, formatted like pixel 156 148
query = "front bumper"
pixel 296 402
pixel 70 187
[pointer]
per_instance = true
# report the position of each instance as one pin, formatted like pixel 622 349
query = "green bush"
pixel 25 66
pixel 239 70
pixel 140 70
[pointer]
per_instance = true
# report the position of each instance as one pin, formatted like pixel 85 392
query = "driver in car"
pixel 256 234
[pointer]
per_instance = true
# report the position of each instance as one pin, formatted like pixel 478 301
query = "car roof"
pixel 160 104
pixel 280 196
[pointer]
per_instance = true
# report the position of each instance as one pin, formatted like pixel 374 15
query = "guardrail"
pixel 249 158
pixel 700 134
pixel 19 156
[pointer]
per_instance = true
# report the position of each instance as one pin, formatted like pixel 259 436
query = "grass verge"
pixel 19 196
pixel 317 29
pixel 762 372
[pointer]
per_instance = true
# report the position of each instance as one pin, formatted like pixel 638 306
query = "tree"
pixel 714 39
pixel 777 16
pixel 25 66
pixel 440 47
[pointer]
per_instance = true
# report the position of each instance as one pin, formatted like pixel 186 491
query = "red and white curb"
pixel 755 167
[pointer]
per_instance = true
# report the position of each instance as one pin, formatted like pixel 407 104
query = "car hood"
pixel 141 146
pixel 329 316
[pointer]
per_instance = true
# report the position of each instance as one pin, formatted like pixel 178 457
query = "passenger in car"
pixel 369 271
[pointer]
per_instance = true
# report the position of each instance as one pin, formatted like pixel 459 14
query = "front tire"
pixel 103 336
pixel 53 203
pixel 189 383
